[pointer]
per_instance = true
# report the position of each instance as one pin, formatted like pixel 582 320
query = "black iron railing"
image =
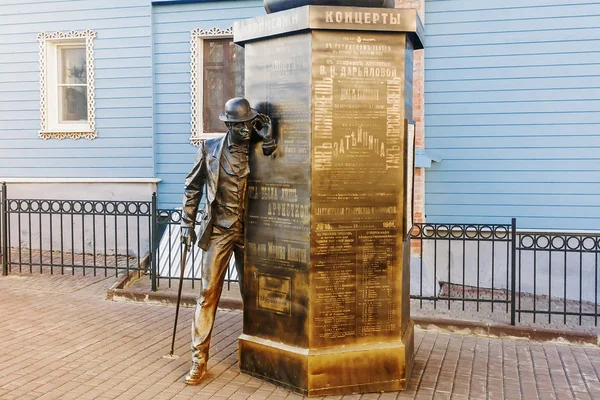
pixel 169 253
pixel 558 276
pixel 3 230
pixel 68 235
pixel 468 268
pixel 464 263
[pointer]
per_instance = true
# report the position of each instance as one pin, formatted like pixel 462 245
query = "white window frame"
pixel 49 97
pixel 197 80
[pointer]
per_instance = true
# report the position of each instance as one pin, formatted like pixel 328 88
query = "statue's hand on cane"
pixel 188 236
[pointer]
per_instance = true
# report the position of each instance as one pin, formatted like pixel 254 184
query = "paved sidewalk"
pixel 60 339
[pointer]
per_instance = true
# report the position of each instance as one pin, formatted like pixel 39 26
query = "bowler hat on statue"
pixel 238 110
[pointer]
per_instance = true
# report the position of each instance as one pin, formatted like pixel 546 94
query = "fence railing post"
pixel 513 271
pixel 154 225
pixel 4 224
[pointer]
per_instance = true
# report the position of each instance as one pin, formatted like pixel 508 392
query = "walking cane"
pixel 186 249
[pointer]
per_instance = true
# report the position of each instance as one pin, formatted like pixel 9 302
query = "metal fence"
pixel 558 276
pixel 69 235
pixel 116 237
pixel 493 272
pixel 466 271
pixel 169 250
pixel 3 230
pixel 464 264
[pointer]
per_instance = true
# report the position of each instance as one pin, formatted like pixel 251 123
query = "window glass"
pixel 73 65
pixel 72 85
pixel 73 102
pixel 223 72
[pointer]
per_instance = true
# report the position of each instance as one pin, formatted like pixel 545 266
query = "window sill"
pixel 75 135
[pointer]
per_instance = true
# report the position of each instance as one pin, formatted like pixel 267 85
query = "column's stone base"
pixel 335 371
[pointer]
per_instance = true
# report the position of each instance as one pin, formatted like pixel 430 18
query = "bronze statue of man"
pixel 222 168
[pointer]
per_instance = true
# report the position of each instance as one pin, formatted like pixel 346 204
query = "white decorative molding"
pixel 68 135
pixel 195 140
pixel 196 74
pixel 213 32
pixel 44 40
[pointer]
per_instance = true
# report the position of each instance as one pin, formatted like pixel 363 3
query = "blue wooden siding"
pixel 172 26
pixel 123 78
pixel 512 105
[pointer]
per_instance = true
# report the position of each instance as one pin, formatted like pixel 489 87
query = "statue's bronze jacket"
pixel 204 176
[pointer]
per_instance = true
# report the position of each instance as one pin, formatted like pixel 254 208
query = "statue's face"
pixel 240 130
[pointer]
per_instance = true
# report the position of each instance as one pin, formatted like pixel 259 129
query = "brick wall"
pixel 419 117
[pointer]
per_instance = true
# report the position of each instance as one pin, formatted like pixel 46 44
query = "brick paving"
pixel 60 339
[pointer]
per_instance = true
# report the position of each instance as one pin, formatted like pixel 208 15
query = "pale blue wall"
pixel 512 105
pixel 172 25
pixel 123 69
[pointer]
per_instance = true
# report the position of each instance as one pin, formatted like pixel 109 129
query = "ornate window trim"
pixel 197 78
pixel 50 39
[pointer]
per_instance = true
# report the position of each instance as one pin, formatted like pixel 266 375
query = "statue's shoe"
pixel 196 373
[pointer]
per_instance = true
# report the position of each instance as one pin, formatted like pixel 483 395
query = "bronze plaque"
pixel 363 18
pixel 274 294
pixel 263 26
pixel 357 187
